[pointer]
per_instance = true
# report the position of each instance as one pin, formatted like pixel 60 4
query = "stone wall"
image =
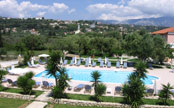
pixel 99 104
pixel 16 96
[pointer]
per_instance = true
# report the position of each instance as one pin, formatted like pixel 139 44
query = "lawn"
pixel 16 90
pixel 71 106
pixel 11 103
pixel 114 99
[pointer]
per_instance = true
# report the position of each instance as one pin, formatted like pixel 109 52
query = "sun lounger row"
pixel 107 63
pixel 78 88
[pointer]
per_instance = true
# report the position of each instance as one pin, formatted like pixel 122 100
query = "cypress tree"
pixel 1 42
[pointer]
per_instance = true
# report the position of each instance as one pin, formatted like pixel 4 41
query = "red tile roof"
pixel 164 31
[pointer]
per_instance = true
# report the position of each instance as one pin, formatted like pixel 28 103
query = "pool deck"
pixel 165 76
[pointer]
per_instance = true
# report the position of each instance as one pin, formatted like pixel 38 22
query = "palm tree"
pixel 95 78
pixel 140 70
pixel 133 91
pixel 165 94
pixel 2 73
pixel 63 78
pixel 99 88
pixel 53 65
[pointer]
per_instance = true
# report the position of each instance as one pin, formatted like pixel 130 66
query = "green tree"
pixel 27 55
pixel 133 91
pixel 2 73
pixel 160 49
pixel 165 94
pixel 63 78
pixel 99 88
pixel 138 45
pixel 3 51
pixel 1 41
pixel 95 79
pixel 33 42
pixel 140 69
pixel 58 91
pixel 20 47
pixel 53 65
pixel 26 82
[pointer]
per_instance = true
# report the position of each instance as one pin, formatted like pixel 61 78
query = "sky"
pixel 87 9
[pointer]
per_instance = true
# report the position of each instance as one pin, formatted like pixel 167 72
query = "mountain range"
pixel 161 21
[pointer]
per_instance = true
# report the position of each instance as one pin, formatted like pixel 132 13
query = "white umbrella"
pixel 89 60
pixel 105 60
pixel 121 60
pixel 61 61
pixel 19 59
pixel 154 87
pixel 75 60
pixel 32 61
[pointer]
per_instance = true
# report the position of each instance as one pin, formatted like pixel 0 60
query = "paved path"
pixel 37 104
pixel 40 101
pixel 44 97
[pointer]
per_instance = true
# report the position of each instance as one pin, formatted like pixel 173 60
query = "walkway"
pixel 37 104
pixel 40 101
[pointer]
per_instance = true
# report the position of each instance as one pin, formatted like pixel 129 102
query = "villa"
pixel 167 34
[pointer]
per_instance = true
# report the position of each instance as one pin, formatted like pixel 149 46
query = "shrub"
pixel 133 91
pixel 26 83
pixel 165 94
pixel 2 73
pixel 100 90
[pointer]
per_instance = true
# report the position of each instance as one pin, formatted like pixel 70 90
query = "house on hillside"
pixel 167 34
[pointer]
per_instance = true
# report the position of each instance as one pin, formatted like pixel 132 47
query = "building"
pixel 78 29
pixel 167 34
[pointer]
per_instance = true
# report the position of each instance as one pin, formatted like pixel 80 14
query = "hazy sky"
pixel 87 9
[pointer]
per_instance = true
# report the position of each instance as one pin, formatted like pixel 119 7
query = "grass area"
pixel 71 106
pixel 16 90
pixel 13 52
pixel 11 103
pixel 114 99
pixel 133 60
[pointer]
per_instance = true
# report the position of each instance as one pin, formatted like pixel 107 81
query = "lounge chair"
pixel 31 66
pixel 79 87
pixel 71 63
pixel 79 62
pixel 117 90
pixel 11 82
pixel 109 64
pixel 149 92
pixel 4 80
pixel 40 62
pixel 101 64
pixel 88 89
pixel 118 64
pixel 125 65
pixel 37 84
pixel 150 66
pixel 34 65
pixel 65 62
pixel 99 59
pixel 93 64
pixel 108 90
pixel 87 63
pixel 45 85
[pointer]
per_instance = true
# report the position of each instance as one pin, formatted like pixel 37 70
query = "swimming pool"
pixel 108 76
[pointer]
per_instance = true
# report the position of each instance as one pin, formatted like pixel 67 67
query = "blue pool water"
pixel 107 76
